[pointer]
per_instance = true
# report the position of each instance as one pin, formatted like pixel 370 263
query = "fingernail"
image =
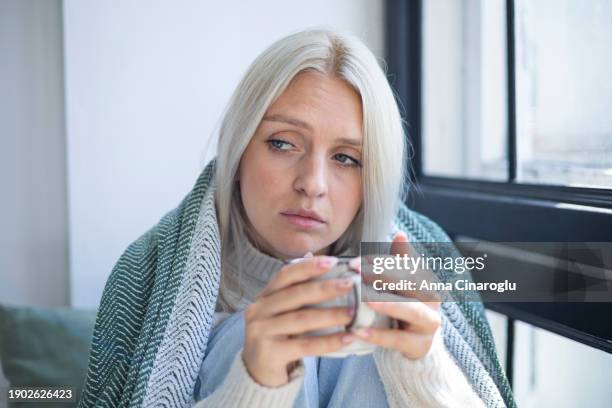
pixel 362 332
pixel 355 263
pixel 327 261
pixel 347 338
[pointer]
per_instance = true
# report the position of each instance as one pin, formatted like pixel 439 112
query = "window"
pixel 507 109
pixel 562 64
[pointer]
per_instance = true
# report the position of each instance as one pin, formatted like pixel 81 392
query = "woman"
pixel 204 309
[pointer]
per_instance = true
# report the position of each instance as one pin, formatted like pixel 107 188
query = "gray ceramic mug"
pixel 363 315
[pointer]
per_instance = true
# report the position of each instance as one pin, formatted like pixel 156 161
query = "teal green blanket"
pixel 157 307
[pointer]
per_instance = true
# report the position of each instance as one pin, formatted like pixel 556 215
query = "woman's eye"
pixel 282 146
pixel 277 144
pixel 352 162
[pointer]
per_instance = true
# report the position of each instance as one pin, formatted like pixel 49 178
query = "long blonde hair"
pixel 384 143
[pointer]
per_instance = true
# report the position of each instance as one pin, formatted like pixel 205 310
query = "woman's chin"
pixel 292 244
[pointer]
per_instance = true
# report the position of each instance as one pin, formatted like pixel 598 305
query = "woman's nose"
pixel 311 177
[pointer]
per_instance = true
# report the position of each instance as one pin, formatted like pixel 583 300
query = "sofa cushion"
pixel 45 347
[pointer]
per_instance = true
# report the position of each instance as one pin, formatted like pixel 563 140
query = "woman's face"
pixel 305 155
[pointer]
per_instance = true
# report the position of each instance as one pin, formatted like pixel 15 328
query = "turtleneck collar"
pixel 257 264
pixel 251 268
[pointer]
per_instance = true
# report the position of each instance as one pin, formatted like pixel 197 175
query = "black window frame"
pixel 497 211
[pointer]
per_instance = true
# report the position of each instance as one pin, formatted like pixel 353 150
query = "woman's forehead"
pixel 320 87
pixel 317 103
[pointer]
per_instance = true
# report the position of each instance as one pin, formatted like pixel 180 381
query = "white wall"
pixel 33 220
pixel 146 83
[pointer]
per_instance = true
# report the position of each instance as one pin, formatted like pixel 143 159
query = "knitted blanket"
pixel 157 308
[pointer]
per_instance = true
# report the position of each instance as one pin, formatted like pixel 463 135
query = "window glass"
pixel 464 123
pixel 564 92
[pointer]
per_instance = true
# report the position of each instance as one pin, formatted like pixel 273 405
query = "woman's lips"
pixel 303 222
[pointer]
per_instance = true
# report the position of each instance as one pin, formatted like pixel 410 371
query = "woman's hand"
pixel 418 318
pixel 272 321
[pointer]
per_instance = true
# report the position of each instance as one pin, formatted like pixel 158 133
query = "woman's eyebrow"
pixel 289 120
pixel 352 142
pixel 304 125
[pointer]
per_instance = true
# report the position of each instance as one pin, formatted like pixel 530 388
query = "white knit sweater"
pixel 431 381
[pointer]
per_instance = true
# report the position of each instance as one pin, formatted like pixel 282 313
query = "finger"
pixel 431 297
pixel 298 272
pixel 317 345
pixel 417 277
pixel 393 275
pixel 304 320
pixel 355 264
pixel 436 305
pixel 302 294
pixel 400 244
pixel 412 345
pixel 422 318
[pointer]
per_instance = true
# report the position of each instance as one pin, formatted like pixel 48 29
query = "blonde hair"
pixel 384 144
